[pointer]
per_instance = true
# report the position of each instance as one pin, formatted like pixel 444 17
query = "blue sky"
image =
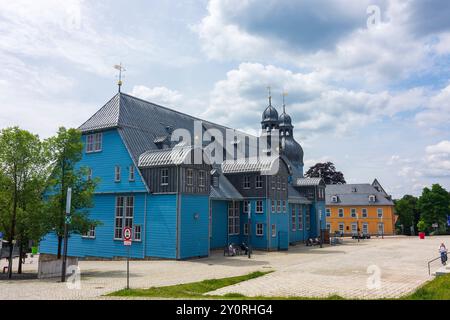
pixel 374 100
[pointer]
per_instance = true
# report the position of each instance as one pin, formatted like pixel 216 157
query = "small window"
pixel 279 206
pixel 364 213
pixel 353 212
pixel 380 212
pixel 137 233
pixel 341 228
pixel 300 218
pixel 189 177
pixel 372 198
pixel 259 206
pixel 94 142
pixel 246 229
pixel 328 227
pixel 293 219
pixel 274 230
pixel 279 183
pixel 117 174
pixel 201 178
pixel 328 211
pixel 259 182
pixel 90 234
pixel 284 205
pixel 164 177
pixel 246 182
pixel 259 229
pixel 131 173
pixel 341 213
pixel 284 186
pixel 246 206
pixel 334 199
pixel 274 183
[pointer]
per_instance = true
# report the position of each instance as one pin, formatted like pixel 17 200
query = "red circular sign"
pixel 127 233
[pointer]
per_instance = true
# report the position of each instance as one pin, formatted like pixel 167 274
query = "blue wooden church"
pixel 181 209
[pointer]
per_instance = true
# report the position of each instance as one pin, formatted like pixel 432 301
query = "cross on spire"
pixel 284 94
pixel 121 69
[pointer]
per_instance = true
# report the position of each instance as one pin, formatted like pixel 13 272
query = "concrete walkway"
pixel 303 271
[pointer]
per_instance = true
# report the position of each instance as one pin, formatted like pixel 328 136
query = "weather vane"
pixel 121 69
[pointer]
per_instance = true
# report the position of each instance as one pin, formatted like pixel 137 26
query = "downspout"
pixel 269 227
pixel 177 254
pixel 144 247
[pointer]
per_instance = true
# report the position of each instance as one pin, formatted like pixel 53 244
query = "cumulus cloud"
pixel 159 95
pixel 315 104
pixel 438 159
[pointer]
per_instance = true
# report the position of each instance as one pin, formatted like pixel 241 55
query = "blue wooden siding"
pixel 162 226
pixel 114 153
pixel 194 229
pixel 219 224
pixel 103 245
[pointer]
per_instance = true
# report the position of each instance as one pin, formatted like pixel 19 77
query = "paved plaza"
pixel 400 264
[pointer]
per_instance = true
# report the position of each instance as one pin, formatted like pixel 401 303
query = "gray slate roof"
pixel 165 157
pixel 140 123
pixel 347 195
pixel 295 197
pixel 225 191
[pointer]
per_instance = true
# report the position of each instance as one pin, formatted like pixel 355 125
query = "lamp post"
pixel 249 229
pixel 357 226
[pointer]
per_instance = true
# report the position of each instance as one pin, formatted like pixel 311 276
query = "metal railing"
pixel 430 262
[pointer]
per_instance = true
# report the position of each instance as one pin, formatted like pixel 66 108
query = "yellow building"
pixel 364 207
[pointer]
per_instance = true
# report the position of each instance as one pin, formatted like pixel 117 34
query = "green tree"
pixel 20 163
pixel 326 171
pixel 65 152
pixel 408 215
pixel 434 206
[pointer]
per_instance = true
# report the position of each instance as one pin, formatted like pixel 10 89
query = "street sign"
pixel 435 225
pixel 68 219
pixel 127 235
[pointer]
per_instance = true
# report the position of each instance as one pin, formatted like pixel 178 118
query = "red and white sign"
pixel 127 235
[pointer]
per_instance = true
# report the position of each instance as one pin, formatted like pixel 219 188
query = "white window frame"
pixel 300 219
pixel 334 199
pixel 366 227
pixel 354 228
pixel 164 176
pixel 353 213
pixel 273 205
pixel 94 142
pixel 117 173
pixel 137 231
pixel 293 218
pixel 246 182
pixel 380 216
pixel 90 234
pixel 259 182
pixel 189 177
pixel 202 178
pixel 274 230
pixel 234 219
pixel 364 213
pixel 259 206
pixel 328 227
pixel 246 205
pixel 372 198
pixel 259 230
pixel 131 173
pixel 339 212
pixel 341 224
pixel 328 212
pixel 284 206
pixel 380 230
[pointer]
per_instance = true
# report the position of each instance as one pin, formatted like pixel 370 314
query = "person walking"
pixel 443 252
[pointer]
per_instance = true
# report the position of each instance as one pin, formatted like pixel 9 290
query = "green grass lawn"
pixel 437 289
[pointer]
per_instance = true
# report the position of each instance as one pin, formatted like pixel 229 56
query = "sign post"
pixel 127 236
pixel 67 221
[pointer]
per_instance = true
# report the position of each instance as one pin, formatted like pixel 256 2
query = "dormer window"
pixel 354 189
pixel 334 199
pixel 372 198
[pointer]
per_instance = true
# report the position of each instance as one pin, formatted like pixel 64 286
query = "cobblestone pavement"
pixel 303 271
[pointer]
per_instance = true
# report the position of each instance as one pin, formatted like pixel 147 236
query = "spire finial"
pixel 121 69
pixel 284 104
pixel 270 95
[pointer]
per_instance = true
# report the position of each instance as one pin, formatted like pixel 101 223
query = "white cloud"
pixel 159 95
